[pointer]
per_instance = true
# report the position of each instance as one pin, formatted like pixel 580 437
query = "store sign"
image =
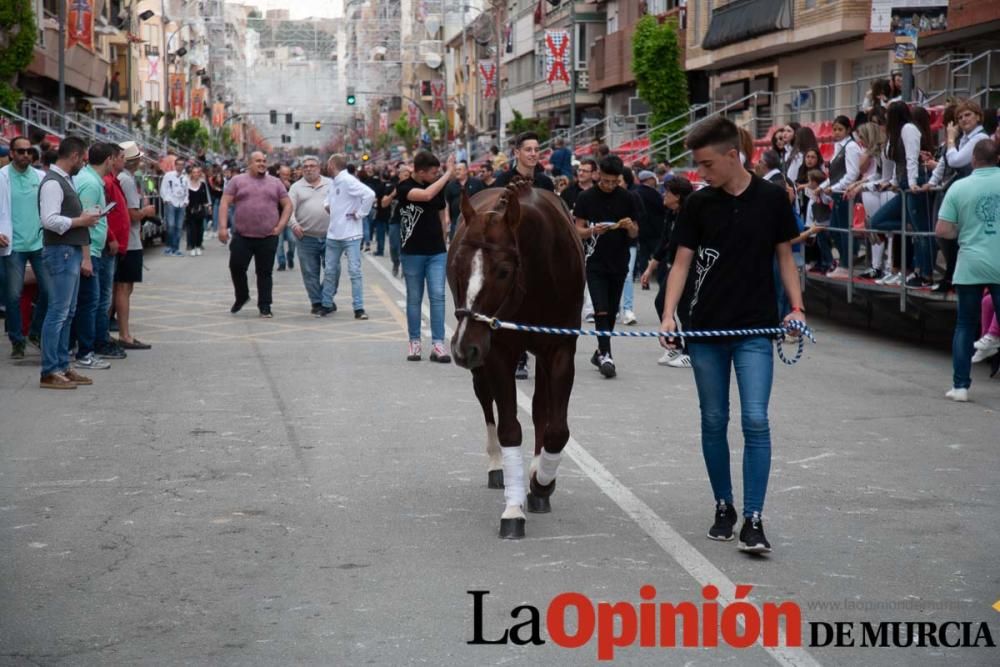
pixel 923 15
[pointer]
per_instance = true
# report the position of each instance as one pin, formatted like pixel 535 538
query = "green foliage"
pixel 223 142
pixel 406 133
pixel 521 124
pixel 17 35
pixel 153 117
pixel 190 133
pixel 659 75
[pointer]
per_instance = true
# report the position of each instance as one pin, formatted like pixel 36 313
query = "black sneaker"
pixel 595 358
pixel 725 521
pixel 522 372
pixel 325 311
pixel 111 351
pixel 35 341
pixel 360 314
pixel 17 350
pixel 291 263
pixel 608 366
pixel 316 308
pixel 752 538
pixel 266 313
pixel 238 305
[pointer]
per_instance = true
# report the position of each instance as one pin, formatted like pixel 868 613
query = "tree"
pixel 521 124
pixel 17 46
pixel 190 133
pixel 659 75
pixel 406 133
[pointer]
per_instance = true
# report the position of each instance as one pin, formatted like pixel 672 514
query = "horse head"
pixel 484 272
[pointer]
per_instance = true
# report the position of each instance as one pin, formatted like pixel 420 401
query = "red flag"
pixel 80 23
pixel 437 90
pixel 557 43
pixel 488 71
pixel 176 90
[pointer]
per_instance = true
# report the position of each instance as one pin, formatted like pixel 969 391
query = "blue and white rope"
pixel 779 332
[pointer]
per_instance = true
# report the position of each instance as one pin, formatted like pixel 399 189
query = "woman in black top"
pixel 198 210
pixel 215 185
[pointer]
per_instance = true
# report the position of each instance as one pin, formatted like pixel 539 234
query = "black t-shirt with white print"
pixel 608 252
pixel 420 228
pixel 734 239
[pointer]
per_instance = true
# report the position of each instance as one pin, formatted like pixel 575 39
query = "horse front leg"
pixel 561 372
pixel 481 385
pixel 501 374
pixel 540 407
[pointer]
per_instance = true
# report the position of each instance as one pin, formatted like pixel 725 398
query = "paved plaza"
pixel 292 491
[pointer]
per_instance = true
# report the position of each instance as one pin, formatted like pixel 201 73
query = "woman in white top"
pixel 845 170
pixel 870 138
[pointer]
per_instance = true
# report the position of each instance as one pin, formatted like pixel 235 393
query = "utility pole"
pixel 572 70
pixel 62 67
pixel 128 63
pixel 498 8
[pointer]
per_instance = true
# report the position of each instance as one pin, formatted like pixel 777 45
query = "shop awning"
pixel 744 19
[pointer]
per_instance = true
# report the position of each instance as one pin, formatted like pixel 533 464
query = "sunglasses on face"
pixel 23 151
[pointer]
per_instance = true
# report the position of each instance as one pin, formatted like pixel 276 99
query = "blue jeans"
pixel 970 298
pixel 215 215
pixel 367 227
pixel 379 228
pixel 395 243
pixel 331 280
pixel 918 219
pixel 84 329
pixel 753 360
pixel 417 269
pixel 628 292
pixel 173 218
pixel 288 237
pixel 311 251
pixel 62 266
pixel 15 264
pixel 104 271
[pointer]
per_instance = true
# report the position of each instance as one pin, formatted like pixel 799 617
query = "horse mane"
pixel 515 188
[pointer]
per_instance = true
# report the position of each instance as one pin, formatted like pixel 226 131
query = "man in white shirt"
pixel 174 193
pixel 348 201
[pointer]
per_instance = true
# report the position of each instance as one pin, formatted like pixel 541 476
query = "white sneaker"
pixel 193 252
pixel 628 317
pixel 893 280
pixel 680 361
pixel 589 317
pixel 987 342
pixel 839 272
pixel 983 355
pixel 957 395
pixel 91 362
pixel 668 356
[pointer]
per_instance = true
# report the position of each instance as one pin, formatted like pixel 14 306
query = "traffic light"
pixel 351 99
pixel 274 117
pixel 288 119
pixel 319 125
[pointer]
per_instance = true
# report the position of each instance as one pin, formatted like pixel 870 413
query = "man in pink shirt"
pixel 262 209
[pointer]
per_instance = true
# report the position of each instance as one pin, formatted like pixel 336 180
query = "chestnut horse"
pixel 516 256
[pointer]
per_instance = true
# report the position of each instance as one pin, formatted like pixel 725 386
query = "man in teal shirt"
pixel 19 183
pixel 89 184
pixel 970 212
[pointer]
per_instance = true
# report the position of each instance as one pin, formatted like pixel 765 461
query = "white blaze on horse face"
pixel 475 280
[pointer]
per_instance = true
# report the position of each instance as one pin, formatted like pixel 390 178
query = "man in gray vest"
pixel 66 241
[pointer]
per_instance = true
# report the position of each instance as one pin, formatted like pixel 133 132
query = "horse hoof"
pixel 538 504
pixel 511 529
pixel 494 479
pixel 538 490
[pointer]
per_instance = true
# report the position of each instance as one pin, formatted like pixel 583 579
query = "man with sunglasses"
pixel 21 242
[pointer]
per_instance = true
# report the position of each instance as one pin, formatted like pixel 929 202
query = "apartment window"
pixel 521 71
pixel 810 4
pixel 655 7
pixel 580 46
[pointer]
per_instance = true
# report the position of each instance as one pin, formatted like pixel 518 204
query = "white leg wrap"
pixel 877 249
pixel 547 466
pixel 492 445
pixel 513 477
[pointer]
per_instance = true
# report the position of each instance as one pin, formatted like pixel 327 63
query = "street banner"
pixel 413 115
pixel 557 56
pixel 383 121
pixel 80 23
pixel 197 102
pixel 218 114
pixel 906 46
pixel 437 91
pixel 176 91
pixel 153 63
pixel 923 15
pixel 488 75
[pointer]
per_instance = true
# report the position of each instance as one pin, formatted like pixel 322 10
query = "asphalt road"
pixel 292 491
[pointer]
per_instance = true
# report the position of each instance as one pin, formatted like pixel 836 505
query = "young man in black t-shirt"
pixel 423 217
pixel 607 222
pixel 731 232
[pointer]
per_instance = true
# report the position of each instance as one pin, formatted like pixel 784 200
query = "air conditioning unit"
pixel 637 106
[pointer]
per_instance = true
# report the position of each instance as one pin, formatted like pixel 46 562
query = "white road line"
pixel 673 543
